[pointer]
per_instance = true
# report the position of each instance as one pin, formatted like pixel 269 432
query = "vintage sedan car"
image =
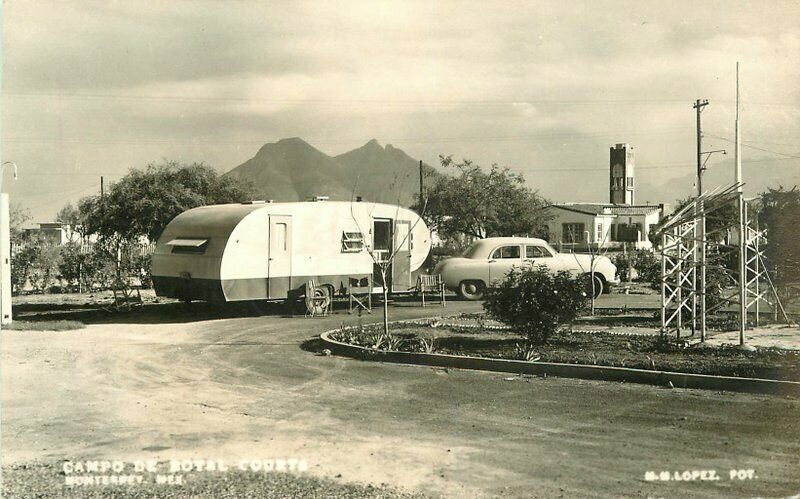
pixel 487 262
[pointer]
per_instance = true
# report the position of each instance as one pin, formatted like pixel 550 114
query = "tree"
pixel 36 261
pixel 779 215
pixel 18 217
pixel 477 204
pixel 143 202
pixel 383 261
pixel 71 216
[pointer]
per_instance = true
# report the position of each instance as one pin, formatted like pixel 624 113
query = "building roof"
pixel 609 209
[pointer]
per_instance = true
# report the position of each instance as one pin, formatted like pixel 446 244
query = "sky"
pixel 544 88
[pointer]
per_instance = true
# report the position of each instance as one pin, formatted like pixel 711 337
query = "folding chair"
pixel 360 294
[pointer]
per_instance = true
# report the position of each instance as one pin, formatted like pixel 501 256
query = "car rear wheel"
pixel 598 285
pixel 471 290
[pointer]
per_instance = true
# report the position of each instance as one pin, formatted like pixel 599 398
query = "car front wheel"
pixel 471 290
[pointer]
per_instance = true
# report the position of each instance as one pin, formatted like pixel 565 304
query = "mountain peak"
pixel 291 169
pixel 293 140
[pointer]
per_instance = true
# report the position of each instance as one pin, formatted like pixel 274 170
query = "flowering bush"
pixel 536 302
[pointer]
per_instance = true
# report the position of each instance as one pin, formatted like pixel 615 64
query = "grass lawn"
pixel 60 325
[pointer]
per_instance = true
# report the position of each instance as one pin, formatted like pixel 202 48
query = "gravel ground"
pixel 40 480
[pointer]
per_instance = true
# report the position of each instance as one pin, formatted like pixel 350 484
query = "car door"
pixel 537 255
pixel 503 259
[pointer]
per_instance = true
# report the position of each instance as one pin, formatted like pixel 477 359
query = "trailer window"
pixel 189 246
pixel 352 242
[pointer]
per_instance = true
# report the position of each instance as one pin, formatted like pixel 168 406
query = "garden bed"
pixel 600 348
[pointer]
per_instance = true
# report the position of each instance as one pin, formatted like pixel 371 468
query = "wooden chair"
pixel 431 284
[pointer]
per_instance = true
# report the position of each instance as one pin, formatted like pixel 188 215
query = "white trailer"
pixel 269 251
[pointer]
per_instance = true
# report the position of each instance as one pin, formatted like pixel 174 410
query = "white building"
pixel 578 226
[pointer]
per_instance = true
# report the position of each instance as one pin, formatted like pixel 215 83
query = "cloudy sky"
pixel 96 88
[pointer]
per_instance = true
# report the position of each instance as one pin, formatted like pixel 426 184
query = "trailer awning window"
pixel 352 242
pixel 197 246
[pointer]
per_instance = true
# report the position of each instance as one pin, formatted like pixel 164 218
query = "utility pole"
pixel 698 106
pixel 421 187
pixel 742 227
pixel 701 226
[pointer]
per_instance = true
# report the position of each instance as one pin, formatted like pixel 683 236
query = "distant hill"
pixel 759 175
pixel 293 170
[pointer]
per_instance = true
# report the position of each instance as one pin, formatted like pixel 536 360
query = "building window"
pixel 598 236
pixel 627 233
pixel 572 232
pixel 630 182
pixel 352 242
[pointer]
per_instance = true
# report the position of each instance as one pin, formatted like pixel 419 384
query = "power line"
pixel 754 147
pixel 185 99
pixel 215 140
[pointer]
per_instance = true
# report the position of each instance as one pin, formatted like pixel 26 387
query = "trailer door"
pixel 401 265
pixel 279 267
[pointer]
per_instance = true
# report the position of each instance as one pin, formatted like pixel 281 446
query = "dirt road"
pixel 254 388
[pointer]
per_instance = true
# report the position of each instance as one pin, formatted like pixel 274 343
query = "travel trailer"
pixel 270 251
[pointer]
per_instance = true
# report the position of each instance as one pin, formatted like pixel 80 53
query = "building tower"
pixel 621 187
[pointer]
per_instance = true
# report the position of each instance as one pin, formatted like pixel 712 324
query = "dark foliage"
pixel 535 302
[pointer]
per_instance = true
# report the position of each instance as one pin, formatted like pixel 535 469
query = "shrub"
pixel 646 263
pixel 536 302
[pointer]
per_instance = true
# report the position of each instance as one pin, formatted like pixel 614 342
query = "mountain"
pixel 385 174
pixel 293 170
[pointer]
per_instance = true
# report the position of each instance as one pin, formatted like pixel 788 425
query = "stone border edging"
pixel 581 371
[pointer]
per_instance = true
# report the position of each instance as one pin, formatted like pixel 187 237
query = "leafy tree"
pixel 143 202
pixel 18 216
pixel 21 264
pixel 72 264
pixel 44 259
pixel 479 204
pixel 536 302
pixel 71 216
pixel 779 214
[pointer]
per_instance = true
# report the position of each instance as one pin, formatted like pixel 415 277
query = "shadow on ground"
pixel 149 313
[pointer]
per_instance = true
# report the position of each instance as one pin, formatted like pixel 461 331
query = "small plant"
pixel 427 345
pixel 393 342
pixel 375 340
pixel 525 352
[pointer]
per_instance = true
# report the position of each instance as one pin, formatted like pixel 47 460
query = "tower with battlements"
pixel 621 174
